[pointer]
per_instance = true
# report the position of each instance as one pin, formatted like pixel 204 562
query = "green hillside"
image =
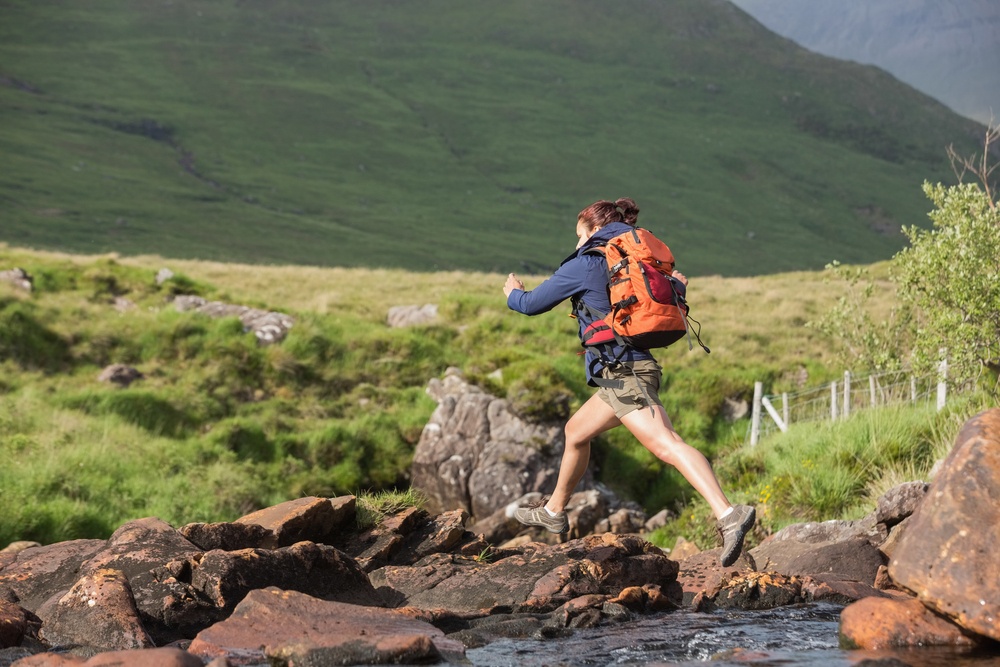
pixel 449 134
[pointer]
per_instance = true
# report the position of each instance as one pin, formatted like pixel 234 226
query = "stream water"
pixel 797 635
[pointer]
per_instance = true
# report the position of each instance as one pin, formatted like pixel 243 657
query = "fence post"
pixel 758 394
pixel 942 387
pixel 846 411
pixel 871 389
pixel 913 388
pixel 785 409
pixel 833 401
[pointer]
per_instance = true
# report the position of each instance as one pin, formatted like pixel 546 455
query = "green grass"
pixel 220 426
pixel 448 135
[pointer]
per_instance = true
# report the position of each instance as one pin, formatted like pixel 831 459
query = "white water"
pixel 796 635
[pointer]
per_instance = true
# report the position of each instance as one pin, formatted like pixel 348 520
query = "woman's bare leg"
pixel 656 433
pixel 593 418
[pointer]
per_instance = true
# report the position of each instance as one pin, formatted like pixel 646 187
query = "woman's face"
pixel 582 233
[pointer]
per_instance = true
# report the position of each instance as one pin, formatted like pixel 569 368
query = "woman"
pixel 583 277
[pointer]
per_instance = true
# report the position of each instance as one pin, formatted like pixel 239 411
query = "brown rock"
pixel 948 553
pixel 225 577
pixel 38 573
pixel 753 590
pixel 839 591
pixel 879 623
pixel 154 657
pixel 854 559
pixel 538 578
pixel 15 624
pixel 684 549
pixel 268 625
pixel 227 536
pixel 97 611
pixel 701 574
pixel 304 519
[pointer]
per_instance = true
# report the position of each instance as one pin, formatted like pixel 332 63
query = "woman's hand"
pixel 512 284
pixel 680 276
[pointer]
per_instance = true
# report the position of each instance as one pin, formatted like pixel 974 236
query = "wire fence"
pixel 840 399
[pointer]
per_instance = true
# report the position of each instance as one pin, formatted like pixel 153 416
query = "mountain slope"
pixel 450 134
pixel 950 49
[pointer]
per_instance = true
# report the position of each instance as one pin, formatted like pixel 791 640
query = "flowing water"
pixel 796 635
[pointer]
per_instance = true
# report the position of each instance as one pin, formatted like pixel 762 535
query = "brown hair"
pixel 604 212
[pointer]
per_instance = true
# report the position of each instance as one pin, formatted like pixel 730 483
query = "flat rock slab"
pixel 880 623
pixel 154 657
pixel 289 627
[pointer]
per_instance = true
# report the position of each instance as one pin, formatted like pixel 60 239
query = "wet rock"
pixel 879 623
pixel 303 519
pixel 97 611
pixel 948 553
pixel 536 578
pixel 752 590
pixel 154 657
pixel 268 626
pixel 703 575
pixel 838 591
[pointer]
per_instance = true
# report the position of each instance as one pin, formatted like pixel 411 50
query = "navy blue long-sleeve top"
pixel 584 276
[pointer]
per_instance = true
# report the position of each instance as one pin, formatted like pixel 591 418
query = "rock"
pixel 702 575
pixel 837 591
pixel 120 374
pixel 410 316
pixel 899 502
pixel 18 278
pixel 228 536
pixel 409 535
pixel 268 626
pixel 854 559
pixel 684 549
pixel 752 590
pixel 536 578
pixel 19 546
pixel 97 611
pixel 875 623
pixel 267 326
pixel 163 275
pixel 475 454
pixel 657 521
pixel 225 577
pixel 734 409
pixel 15 624
pixel 154 657
pixel 39 573
pixel 948 553
pixel 143 551
pixel 313 519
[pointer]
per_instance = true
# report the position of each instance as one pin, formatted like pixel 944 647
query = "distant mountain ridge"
pixel 451 135
pixel 950 49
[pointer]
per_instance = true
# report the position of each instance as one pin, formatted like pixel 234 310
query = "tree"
pixel 950 274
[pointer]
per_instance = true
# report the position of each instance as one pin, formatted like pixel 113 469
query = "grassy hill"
pixel 446 134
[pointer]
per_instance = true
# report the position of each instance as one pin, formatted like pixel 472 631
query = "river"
pixel 796 635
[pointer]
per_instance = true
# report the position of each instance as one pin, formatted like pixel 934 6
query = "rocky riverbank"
pixel 300 583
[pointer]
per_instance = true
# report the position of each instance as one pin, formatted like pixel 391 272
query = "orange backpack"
pixel 648 308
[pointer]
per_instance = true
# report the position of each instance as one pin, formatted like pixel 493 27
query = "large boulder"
pixel 948 552
pixel 475 454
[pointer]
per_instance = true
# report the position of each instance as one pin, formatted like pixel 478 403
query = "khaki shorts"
pixel 641 389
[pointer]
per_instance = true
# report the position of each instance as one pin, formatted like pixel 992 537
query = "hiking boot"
pixel 733 529
pixel 538 516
